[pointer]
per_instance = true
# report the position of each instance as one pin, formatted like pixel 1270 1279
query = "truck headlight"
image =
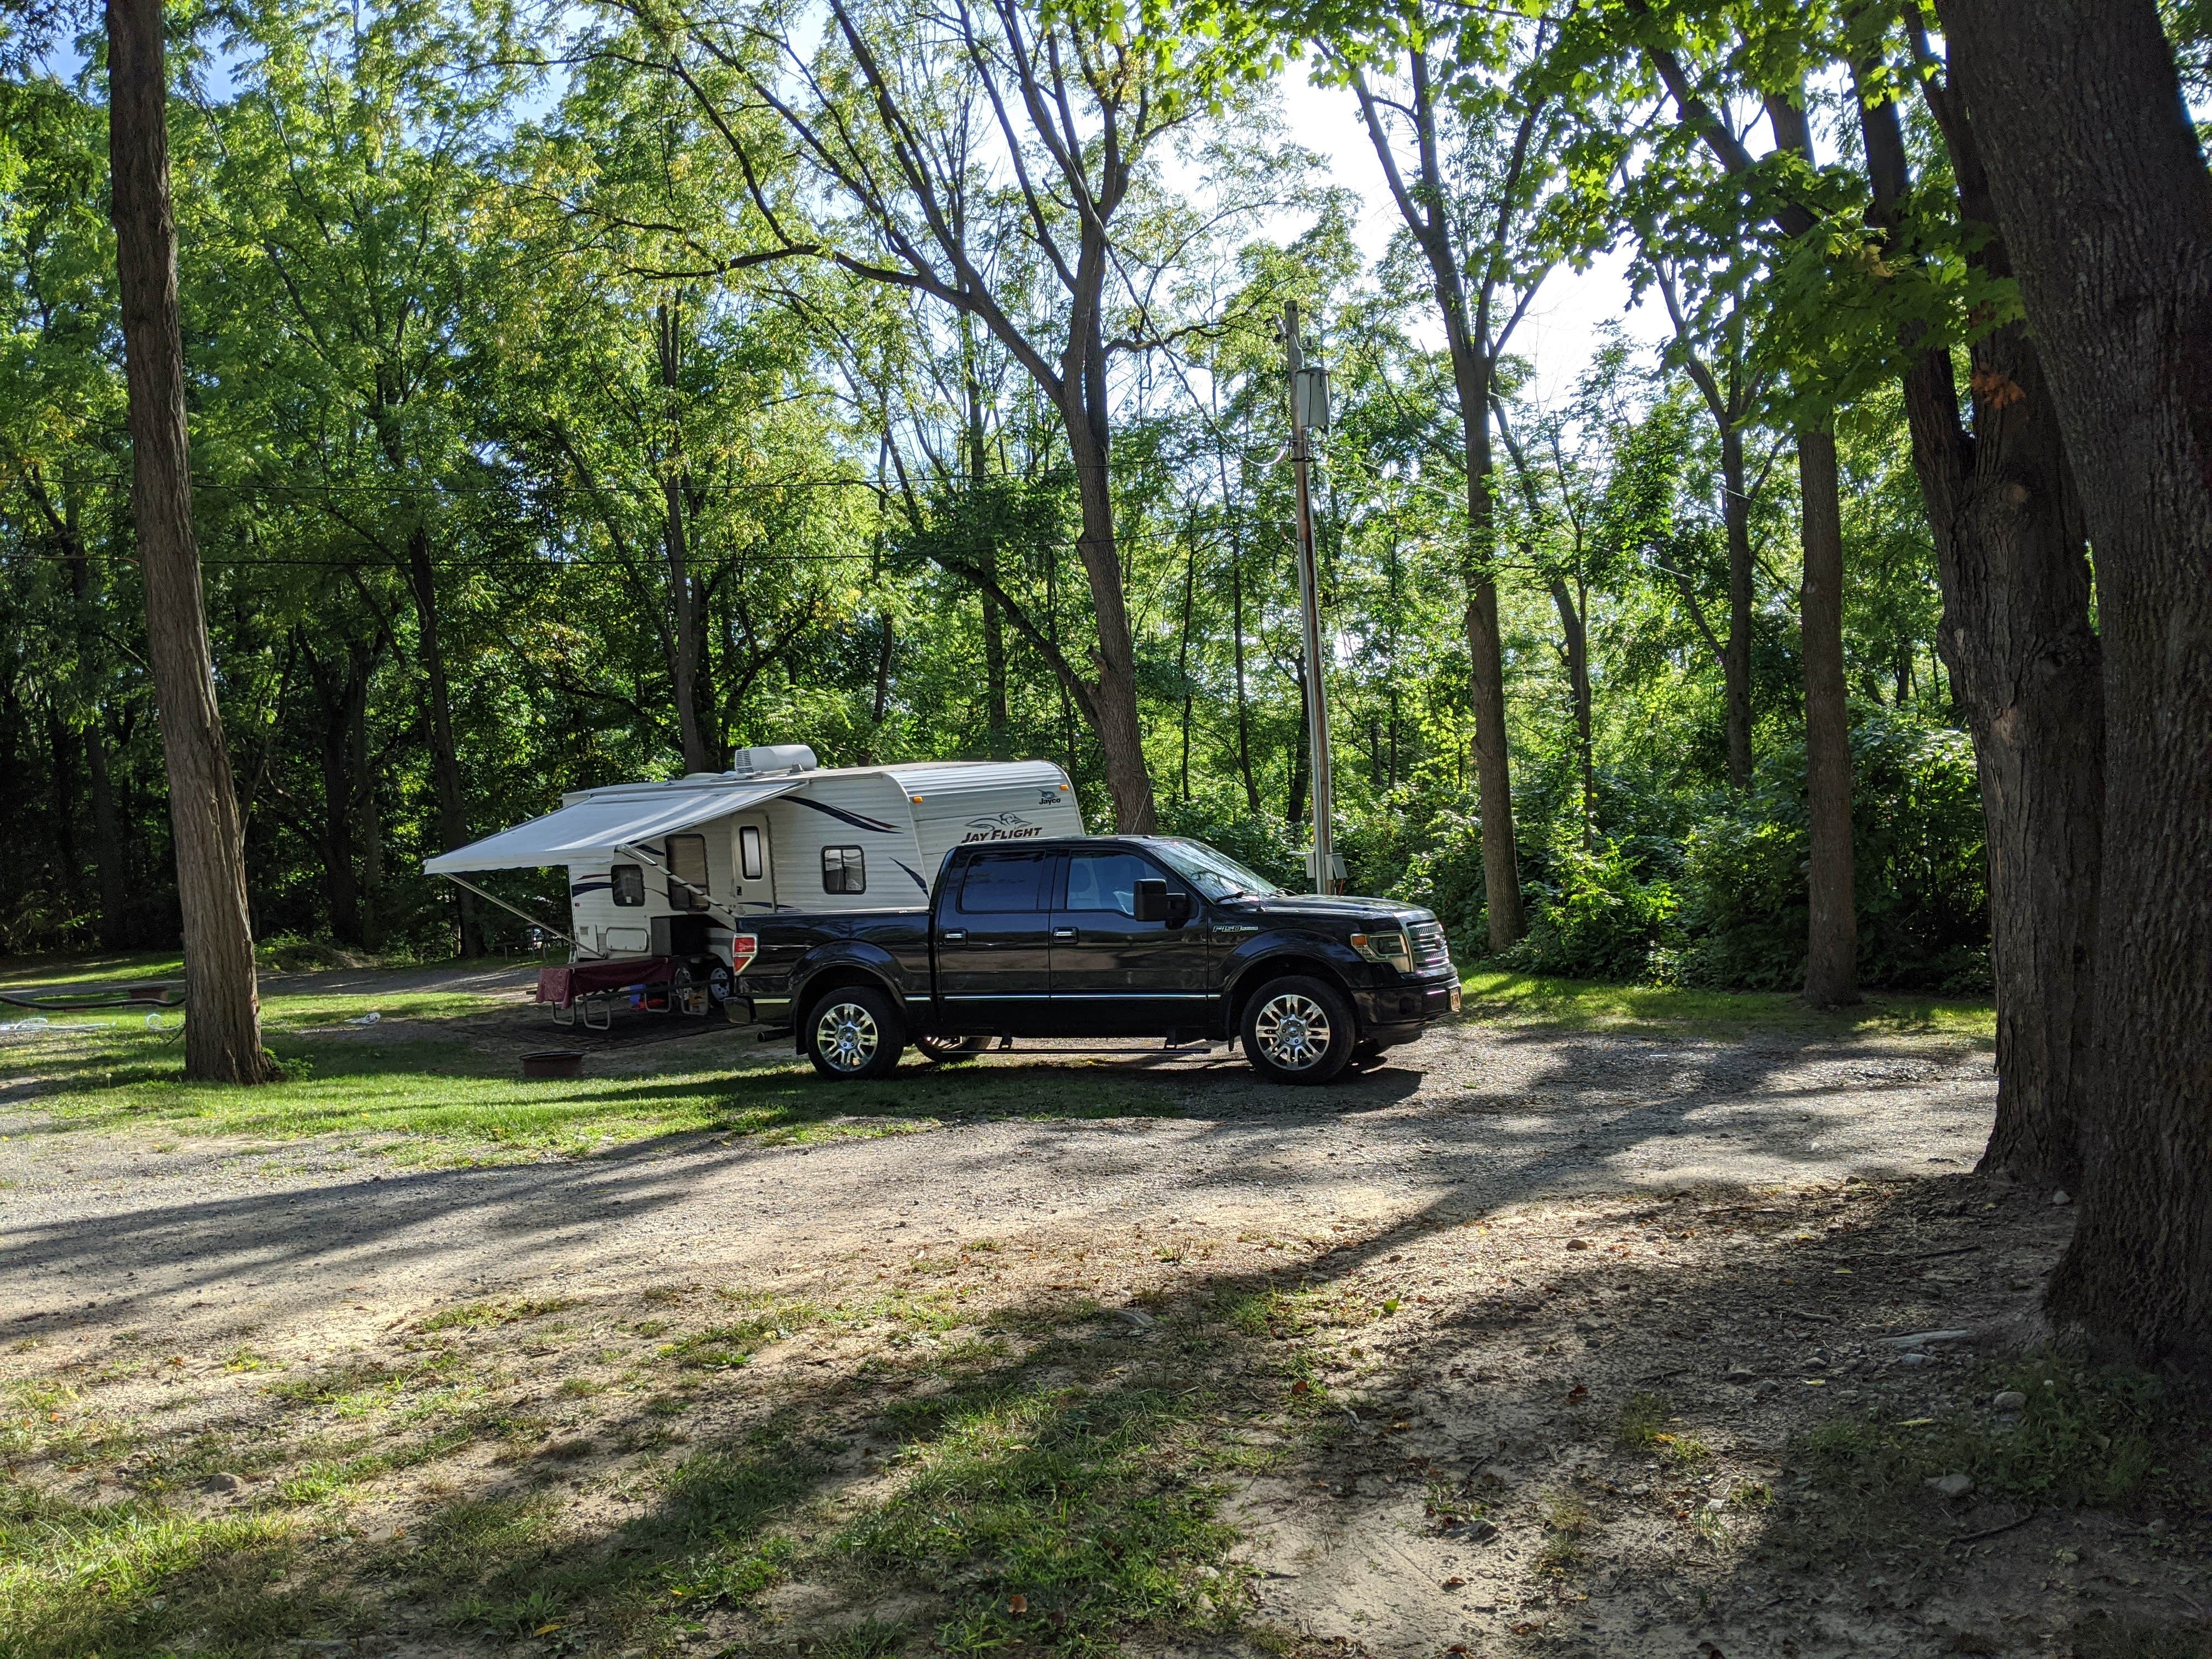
pixel 1388 948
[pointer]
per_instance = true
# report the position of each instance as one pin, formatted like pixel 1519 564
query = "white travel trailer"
pixel 671 870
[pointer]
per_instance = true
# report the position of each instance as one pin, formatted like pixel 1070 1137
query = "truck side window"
pixel 1106 881
pixel 687 860
pixel 844 870
pixel 628 885
pixel 1002 882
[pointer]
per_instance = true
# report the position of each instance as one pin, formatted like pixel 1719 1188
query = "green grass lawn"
pixel 445 1088
pixel 442 1091
pixel 1677 1010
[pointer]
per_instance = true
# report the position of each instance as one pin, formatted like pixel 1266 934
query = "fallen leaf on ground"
pixel 1018 1604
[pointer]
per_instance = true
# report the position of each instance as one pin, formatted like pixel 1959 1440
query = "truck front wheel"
pixel 855 1033
pixel 1298 1029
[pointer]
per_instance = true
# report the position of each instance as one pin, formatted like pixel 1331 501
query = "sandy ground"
pixel 1562 1220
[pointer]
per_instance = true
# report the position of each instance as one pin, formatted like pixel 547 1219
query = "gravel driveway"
pixel 104 1229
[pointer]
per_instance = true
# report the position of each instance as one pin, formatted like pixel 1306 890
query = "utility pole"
pixel 1309 411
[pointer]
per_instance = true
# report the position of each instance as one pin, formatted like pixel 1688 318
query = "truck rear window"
pixel 1001 882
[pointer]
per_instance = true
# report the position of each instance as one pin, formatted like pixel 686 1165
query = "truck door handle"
pixel 954 935
pixel 1063 933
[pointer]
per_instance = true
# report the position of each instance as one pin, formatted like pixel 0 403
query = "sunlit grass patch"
pixel 425 1097
pixel 1592 1005
pixel 142 1578
pixel 1053 1513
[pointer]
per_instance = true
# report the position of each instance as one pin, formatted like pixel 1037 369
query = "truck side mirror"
pixel 1151 899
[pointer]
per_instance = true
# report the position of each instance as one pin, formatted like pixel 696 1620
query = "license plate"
pixel 1455 999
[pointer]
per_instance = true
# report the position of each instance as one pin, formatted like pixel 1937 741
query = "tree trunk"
pixel 445 752
pixel 1183 653
pixel 1832 942
pixel 1735 659
pixel 61 755
pixel 2105 206
pixel 107 852
pixel 106 835
pixel 342 734
pixel 1486 646
pixel 2016 637
pixel 1576 633
pixel 1083 412
pixel 690 642
pixel 223 1032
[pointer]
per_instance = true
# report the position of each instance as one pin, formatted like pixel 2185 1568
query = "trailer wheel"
pixel 1298 1029
pixel 946 1049
pixel 855 1033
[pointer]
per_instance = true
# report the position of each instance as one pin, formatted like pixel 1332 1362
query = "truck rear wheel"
pixel 1298 1029
pixel 855 1033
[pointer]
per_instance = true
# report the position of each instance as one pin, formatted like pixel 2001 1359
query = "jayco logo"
pixel 1001 826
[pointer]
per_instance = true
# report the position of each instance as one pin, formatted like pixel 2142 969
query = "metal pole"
pixel 1324 843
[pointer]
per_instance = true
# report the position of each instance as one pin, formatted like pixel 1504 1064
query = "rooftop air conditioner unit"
pixel 772 758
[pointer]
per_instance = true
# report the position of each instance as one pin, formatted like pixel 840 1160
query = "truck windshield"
pixel 1214 874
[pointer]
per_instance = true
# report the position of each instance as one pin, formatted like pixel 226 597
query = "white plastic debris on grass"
pixel 365 1019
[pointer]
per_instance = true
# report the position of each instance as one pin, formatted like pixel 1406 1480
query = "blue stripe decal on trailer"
pixel 911 871
pixel 843 816
pixel 577 889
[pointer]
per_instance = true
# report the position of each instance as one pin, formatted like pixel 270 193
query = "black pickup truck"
pixel 1113 936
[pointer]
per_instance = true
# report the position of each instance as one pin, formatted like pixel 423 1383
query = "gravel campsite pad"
pixel 1528 1341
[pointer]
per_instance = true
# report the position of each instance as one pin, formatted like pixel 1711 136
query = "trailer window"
pixel 628 885
pixel 687 863
pixel 844 870
pixel 750 867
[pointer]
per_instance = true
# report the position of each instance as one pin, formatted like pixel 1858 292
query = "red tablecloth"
pixel 562 986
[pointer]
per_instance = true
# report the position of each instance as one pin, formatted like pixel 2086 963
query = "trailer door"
pixel 752 870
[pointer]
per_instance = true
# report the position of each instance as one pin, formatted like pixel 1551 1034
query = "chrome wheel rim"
pixel 846 1036
pixel 1292 1031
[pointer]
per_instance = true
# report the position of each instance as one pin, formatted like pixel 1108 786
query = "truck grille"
pixel 1431 954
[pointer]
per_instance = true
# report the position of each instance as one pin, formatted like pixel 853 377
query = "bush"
pixel 1920 883
pixel 1597 918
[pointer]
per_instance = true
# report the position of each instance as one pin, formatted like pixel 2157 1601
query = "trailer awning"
pixel 593 830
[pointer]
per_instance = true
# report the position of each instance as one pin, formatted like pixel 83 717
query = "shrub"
pixel 1598 919
pixel 1920 883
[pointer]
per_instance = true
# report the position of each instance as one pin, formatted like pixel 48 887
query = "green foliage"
pixel 1598 919
pixel 1920 879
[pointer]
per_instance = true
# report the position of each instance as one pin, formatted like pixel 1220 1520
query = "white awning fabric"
pixel 594 829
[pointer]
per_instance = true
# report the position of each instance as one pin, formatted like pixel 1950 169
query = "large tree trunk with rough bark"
pixel 2015 635
pixel 1832 933
pixel 2105 205
pixel 222 1030
pixel 2018 644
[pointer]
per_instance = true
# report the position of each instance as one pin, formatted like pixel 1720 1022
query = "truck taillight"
pixel 743 947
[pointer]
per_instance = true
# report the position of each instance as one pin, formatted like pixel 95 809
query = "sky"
pixel 1560 330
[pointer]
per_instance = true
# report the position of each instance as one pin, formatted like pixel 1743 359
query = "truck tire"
pixel 1298 1029
pixel 946 1049
pixel 854 1034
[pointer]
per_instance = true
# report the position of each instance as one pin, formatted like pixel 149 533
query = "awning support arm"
pixel 729 917
pixel 493 898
